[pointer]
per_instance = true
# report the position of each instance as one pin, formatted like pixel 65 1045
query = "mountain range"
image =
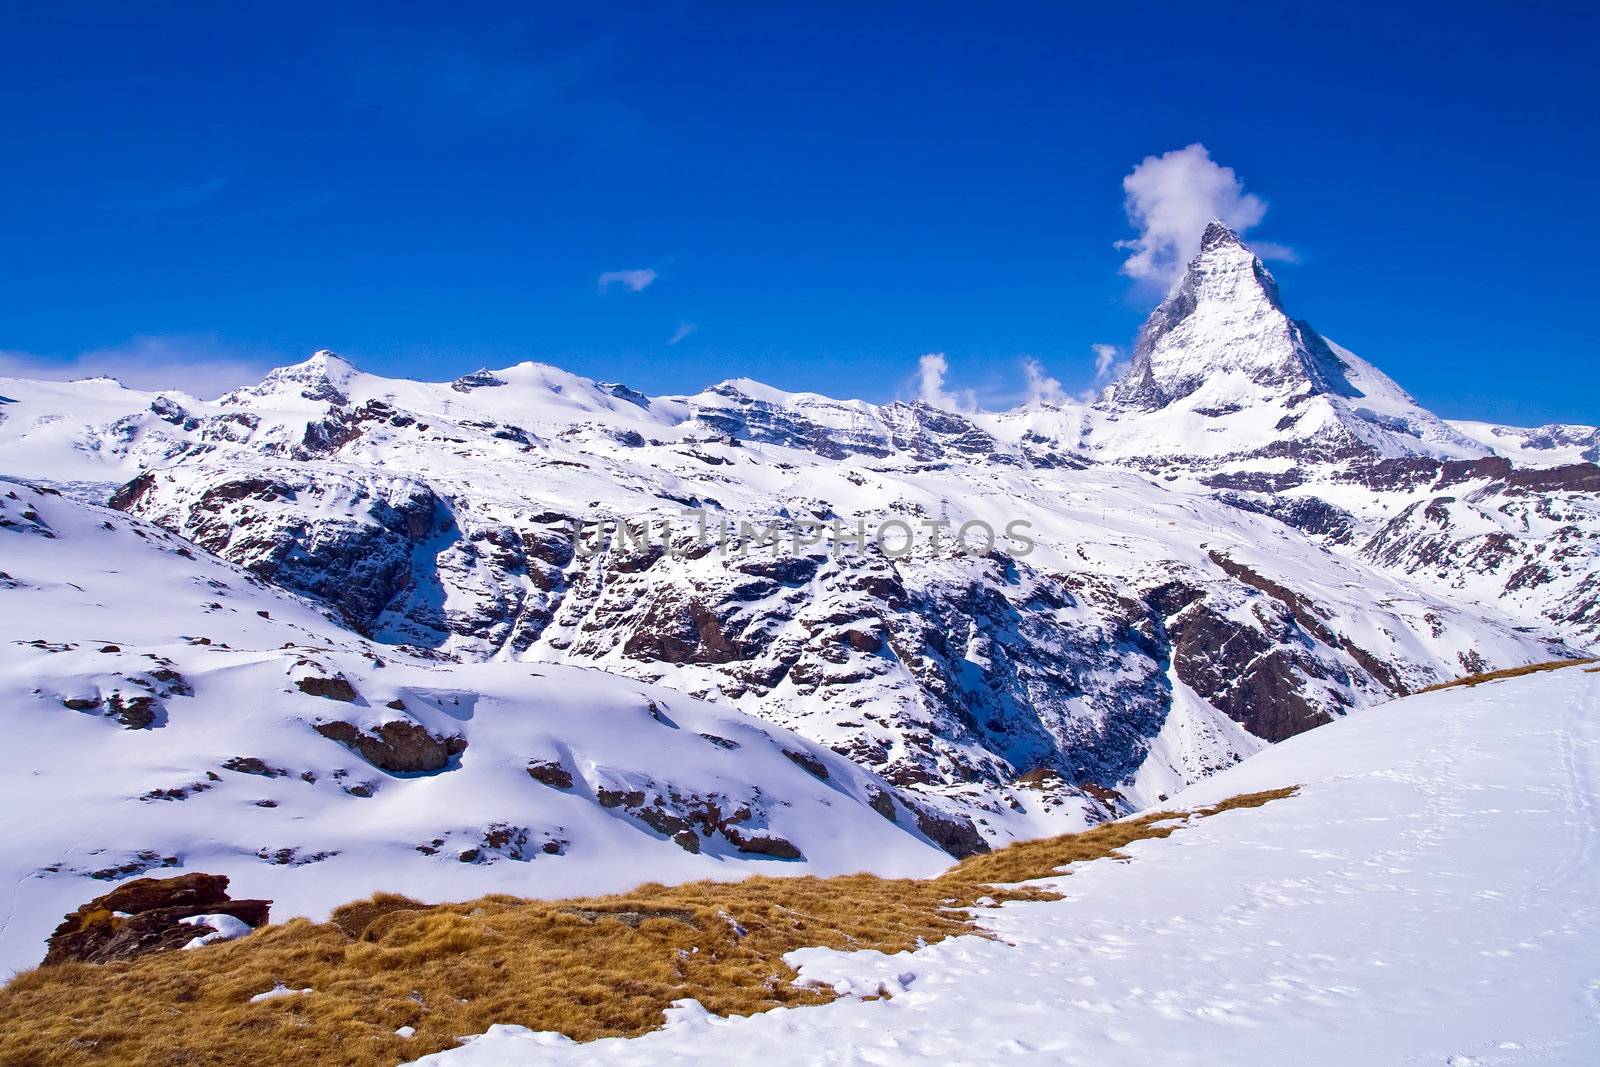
pixel 335 632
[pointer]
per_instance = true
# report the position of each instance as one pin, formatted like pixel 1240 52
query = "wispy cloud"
pixel 1108 365
pixel 684 330
pixel 931 371
pixel 201 366
pixel 632 280
pixel 1042 389
pixel 1105 360
pixel 1170 198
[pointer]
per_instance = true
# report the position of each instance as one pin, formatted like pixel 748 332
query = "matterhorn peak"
pixel 1222 317
pixel 1217 234
pixel 1221 345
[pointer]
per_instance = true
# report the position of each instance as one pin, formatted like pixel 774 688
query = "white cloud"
pixel 1170 198
pixel 632 280
pixel 684 330
pixel 931 371
pixel 1105 360
pixel 1042 389
pixel 200 366
pixel 1108 365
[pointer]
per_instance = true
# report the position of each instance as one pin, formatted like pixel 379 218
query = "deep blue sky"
pixel 825 192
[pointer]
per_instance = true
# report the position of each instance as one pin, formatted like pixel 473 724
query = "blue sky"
pixel 823 193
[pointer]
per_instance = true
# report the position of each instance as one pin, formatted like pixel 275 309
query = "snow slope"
pixel 162 712
pixel 1429 896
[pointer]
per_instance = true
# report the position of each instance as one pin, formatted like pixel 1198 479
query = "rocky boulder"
pixel 148 915
pixel 399 746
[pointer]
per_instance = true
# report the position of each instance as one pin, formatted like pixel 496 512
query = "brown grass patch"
pixel 590 967
pixel 1510 672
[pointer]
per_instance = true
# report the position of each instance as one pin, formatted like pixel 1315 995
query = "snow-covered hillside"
pixel 1428 896
pixel 168 711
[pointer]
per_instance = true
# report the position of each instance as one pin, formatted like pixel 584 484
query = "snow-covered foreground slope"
pixel 165 712
pixel 1431 895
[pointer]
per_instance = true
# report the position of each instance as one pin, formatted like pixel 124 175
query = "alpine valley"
pixel 335 633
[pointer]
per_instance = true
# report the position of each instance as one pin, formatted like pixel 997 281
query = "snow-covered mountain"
pixel 1222 372
pixel 1253 532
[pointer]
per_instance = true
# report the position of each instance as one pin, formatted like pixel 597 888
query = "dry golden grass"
pixel 1509 672
pixel 589 967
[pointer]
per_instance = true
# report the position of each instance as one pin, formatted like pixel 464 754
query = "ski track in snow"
pixel 1428 897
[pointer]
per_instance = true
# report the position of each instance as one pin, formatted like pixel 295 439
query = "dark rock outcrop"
pixel 335 688
pixel 398 746
pixel 956 834
pixel 145 916
pixel 762 843
pixel 551 773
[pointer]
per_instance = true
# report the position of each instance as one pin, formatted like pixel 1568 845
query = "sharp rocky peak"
pixel 1217 235
pixel 1223 319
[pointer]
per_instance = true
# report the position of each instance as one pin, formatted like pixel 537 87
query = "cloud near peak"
pixel 931 371
pixel 1042 389
pixel 1170 198
pixel 631 280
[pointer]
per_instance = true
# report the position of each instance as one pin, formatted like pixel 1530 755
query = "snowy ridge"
pixel 1362 920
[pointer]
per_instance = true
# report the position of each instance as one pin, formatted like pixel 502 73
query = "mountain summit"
pixel 1224 318
pixel 1227 371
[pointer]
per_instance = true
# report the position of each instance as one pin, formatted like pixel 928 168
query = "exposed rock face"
pixel 763 843
pixel 134 693
pixel 953 833
pixel 1307 514
pixel 144 916
pixel 808 761
pixel 348 542
pixel 1516 545
pixel 398 746
pixel 676 629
